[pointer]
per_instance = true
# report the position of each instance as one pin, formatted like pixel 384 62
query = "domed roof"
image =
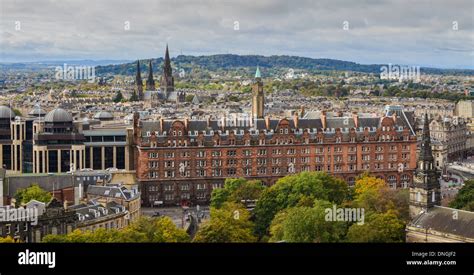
pixel 37 112
pixel 58 115
pixel 6 112
pixel 103 115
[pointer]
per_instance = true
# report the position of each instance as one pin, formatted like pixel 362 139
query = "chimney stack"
pixel 394 117
pixel 355 116
pixel 223 120
pixel 186 123
pixel 296 121
pixel 267 122
pixel 162 124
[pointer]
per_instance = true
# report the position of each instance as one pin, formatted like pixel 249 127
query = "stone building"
pixel 183 160
pixel 449 137
pixel 465 109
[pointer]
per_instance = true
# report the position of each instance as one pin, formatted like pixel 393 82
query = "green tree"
pixel 306 224
pixel 236 190
pixel 34 192
pixel 465 197
pixel 292 190
pixel 118 97
pixel 378 228
pixel 228 224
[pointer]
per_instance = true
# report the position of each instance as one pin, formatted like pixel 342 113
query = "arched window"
pixel 392 181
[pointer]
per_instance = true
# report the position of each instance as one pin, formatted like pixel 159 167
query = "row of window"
pixel 217 172
pixel 275 161
pixel 291 151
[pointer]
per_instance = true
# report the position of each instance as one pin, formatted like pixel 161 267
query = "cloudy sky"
pixel 426 33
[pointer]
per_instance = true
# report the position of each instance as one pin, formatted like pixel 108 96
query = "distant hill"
pixel 41 65
pixel 233 61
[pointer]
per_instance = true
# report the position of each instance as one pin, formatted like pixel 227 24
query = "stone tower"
pixel 425 191
pixel 150 82
pixel 139 82
pixel 258 97
pixel 167 79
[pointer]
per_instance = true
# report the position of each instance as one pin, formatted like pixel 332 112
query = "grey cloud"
pixel 415 32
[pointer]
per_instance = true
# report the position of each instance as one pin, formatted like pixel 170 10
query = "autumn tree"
pixel 373 194
pixel 8 239
pixel 385 211
pixel 145 229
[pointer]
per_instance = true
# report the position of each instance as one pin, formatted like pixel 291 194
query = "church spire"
pixel 425 192
pixel 138 77
pixel 167 63
pixel 167 80
pixel 426 153
pixel 150 83
pixel 139 82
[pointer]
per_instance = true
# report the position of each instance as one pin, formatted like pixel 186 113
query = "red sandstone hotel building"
pixel 183 160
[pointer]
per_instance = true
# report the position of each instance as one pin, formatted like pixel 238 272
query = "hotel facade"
pixel 182 161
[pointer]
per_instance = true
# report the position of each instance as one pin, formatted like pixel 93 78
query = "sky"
pixel 422 33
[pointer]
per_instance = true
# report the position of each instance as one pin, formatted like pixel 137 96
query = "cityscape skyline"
pixel 371 33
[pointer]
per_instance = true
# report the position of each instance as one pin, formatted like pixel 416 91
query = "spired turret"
pixel 425 191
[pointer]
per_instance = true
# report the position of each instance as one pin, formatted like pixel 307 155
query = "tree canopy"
pixel 236 190
pixel 306 224
pixel 297 189
pixel 34 192
pixel 145 229
pixel 465 197
pixel 228 224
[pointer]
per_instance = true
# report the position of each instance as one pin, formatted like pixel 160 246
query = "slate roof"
pixel 441 219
